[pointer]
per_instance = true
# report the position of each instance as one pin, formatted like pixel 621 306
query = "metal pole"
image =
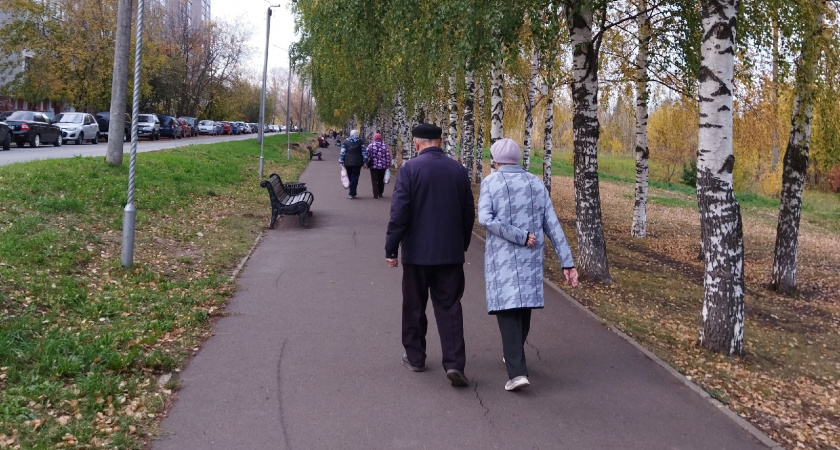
pixel 300 110
pixel 130 213
pixel 288 110
pixel 262 94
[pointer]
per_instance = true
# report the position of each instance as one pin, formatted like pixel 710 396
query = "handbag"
pixel 387 175
pixel 345 180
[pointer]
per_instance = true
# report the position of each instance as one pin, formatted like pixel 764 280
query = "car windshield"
pixel 21 115
pixel 145 118
pixel 206 122
pixel 70 118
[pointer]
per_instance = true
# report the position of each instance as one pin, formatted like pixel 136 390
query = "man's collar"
pixel 511 168
pixel 431 149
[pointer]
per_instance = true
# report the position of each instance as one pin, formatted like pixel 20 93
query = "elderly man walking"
pixel 515 208
pixel 432 215
pixel 352 157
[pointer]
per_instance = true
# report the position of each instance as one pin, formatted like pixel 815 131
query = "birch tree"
pixel 722 319
pixel 497 110
pixel 529 107
pixel 639 227
pixel 795 163
pixel 453 118
pixel 479 133
pixel 468 129
pixel 592 259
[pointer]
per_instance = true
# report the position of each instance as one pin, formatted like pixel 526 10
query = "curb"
pixel 740 421
pixel 246 257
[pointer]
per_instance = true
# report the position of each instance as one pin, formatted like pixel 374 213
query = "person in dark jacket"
pixel 432 215
pixel 352 157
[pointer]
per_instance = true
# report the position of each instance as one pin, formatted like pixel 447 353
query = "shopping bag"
pixel 387 175
pixel 345 180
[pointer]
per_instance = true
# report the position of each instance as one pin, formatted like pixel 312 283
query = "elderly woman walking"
pixel 379 159
pixel 516 210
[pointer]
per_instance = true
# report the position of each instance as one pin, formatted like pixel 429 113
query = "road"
pixel 16 155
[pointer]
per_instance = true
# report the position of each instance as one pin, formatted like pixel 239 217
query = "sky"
pixel 251 13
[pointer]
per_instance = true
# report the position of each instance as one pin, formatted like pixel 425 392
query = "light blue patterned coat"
pixel 513 203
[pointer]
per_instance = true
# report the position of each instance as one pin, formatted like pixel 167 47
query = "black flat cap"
pixel 426 131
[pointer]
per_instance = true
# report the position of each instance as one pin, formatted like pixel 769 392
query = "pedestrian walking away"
pixel 352 157
pixel 432 215
pixel 516 210
pixel 379 160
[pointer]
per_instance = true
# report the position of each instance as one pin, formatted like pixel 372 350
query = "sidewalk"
pixel 309 358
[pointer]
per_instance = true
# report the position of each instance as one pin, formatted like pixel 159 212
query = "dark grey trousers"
pixel 514 324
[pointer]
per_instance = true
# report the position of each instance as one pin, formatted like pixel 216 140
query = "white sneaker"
pixel 518 383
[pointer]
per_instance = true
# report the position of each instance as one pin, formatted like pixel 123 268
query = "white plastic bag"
pixel 345 180
pixel 387 175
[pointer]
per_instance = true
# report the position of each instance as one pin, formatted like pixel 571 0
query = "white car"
pixel 77 127
pixel 207 127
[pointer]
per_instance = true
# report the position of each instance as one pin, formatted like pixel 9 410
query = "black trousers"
pixel 377 179
pixel 445 283
pixel 514 325
pixel 353 173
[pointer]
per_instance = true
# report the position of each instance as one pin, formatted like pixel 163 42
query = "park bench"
pixel 314 153
pixel 289 198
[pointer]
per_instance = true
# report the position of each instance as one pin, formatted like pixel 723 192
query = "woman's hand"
pixel 531 241
pixel 571 276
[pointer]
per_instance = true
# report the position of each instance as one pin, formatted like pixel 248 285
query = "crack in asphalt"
pixel 481 402
pixel 539 357
pixel 354 238
pixel 287 444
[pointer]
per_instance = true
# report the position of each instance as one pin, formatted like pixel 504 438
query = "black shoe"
pixel 408 364
pixel 375 196
pixel 457 378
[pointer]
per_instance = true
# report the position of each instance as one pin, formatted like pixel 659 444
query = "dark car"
pixel 170 127
pixel 33 127
pixel 192 122
pixel 103 119
pixel 5 114
pixel 5 136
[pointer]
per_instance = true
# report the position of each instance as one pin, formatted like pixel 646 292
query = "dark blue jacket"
pixel 432 211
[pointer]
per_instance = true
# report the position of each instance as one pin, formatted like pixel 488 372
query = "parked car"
pixel 243 128
pixel 219 128
pixel 5 136
pixel 170 126
pixel 77 127
pixel 148 125
pixel 33 127
pixel 234 128
pixel 5 114
pixel 226 127
pixel 103 119
pixel 186 129
pixel 207 127
pixel 193 124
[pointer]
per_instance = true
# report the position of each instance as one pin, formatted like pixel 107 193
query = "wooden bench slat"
pixel 289 198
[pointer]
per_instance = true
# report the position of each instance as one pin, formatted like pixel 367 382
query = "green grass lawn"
pixel 83 340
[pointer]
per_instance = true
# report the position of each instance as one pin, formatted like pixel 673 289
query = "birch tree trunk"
pixel 468 130
pixel 394 134
pixel 497 110
pixel 549 128
pixel 722 320
pixel 592 259
pixel 529 108
pixel 479 135
pixel 795 163
pixel 639 227
pixel 402 129
pixel 453 119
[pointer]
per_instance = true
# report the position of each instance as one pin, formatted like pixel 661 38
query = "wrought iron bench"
pixel 289 198
pixel 314 153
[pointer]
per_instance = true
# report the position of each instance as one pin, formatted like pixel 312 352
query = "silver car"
pixel 207 127
pixel 77 127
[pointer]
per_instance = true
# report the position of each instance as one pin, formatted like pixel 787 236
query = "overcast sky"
pixel 251 13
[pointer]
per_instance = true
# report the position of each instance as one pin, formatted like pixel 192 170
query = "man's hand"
pixel 571 276
pixel 531 241
pixel 392 262
pixel 364 166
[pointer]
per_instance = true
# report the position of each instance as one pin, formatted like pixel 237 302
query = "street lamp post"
pixel 262 95
pixel 288 110
pixel 130 212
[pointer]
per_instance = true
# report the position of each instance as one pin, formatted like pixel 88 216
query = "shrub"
pixel 689 175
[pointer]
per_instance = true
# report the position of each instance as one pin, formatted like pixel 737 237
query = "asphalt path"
pixel 309 358
pixel 71 150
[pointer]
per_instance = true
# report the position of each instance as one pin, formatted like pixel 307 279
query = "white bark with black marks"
pixel 497 110
pixel 453 118
pixel 404 131
pixel 549 128
pixel 468 129
pixel 592 248
pixel 795 163
pixel 722 320
pixel 479 134
pixel 529 108
pixel 639 227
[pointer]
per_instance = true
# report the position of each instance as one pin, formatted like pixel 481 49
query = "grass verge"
pixel 83 341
